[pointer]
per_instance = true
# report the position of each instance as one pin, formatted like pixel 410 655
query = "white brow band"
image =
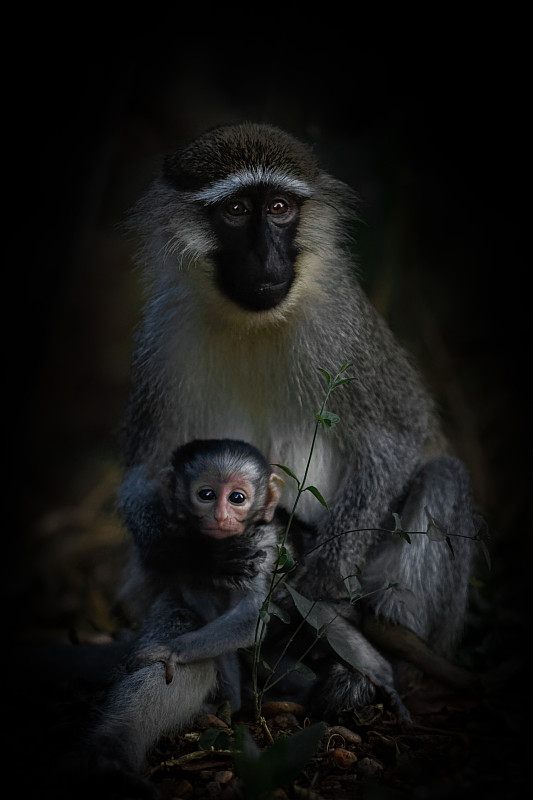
pixel 250 177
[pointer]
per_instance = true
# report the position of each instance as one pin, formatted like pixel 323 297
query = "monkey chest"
pixel 237 389
pixel 209 604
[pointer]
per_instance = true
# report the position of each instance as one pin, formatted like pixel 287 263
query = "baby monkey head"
pixel 225 486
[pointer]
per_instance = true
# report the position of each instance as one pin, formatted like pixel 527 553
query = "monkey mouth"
pixel 271 287
pixel 268 295
pixel 221 533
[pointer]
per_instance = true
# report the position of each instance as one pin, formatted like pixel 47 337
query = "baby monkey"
pixel 203 582
pixel 208 572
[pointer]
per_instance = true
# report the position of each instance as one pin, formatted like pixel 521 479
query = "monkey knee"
pixel 183 696
pixel 443 488
pixel 143 707
pixel 448 468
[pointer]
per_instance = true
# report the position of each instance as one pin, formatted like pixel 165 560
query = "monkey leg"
pixel 229 680
pixel 429 586
pixel 342 688
pixel 228 668
pixel 350 672
pixel 356 681
pixel 142 707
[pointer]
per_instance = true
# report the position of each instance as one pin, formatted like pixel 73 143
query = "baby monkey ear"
pixel 274 490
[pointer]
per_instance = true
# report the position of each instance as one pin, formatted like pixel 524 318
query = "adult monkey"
pixel 245 245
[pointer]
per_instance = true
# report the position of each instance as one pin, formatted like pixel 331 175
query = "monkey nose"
pixel 220 514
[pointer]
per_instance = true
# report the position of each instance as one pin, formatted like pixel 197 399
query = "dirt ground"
pixel 459 745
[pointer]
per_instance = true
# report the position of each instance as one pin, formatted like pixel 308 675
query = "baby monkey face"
pixel 222 506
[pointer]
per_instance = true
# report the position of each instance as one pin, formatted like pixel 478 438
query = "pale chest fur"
pixel 248 387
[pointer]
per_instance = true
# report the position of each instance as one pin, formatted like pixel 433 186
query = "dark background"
pixel 428 121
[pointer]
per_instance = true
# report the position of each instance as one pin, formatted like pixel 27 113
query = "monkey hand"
pixel 239 567
pixel 151 654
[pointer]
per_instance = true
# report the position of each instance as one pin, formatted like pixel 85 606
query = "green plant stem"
pixel 383 530
pixel 301 485
pixel 268 685
pixel 261 626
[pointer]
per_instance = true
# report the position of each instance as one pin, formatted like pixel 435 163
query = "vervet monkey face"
pixel 222 506
pixel 255 230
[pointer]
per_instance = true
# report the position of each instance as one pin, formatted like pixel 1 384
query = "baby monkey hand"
pixel 151 654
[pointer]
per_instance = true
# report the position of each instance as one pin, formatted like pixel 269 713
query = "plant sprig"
pixel 285 563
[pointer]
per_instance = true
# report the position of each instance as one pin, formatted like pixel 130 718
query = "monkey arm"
pixel 414 582
pixel 225 634
pixel 140 501
pixel 221 636
pixel 363 668
pixel 419 583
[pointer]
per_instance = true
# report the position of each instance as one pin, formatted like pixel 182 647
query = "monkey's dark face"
pixel 255 231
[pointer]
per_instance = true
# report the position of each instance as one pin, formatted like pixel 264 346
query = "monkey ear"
pixel 275 488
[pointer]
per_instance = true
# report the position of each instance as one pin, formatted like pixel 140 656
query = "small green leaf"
pixel 354 588
pixel 279 612
pixel 435 534
pixel 404 535
pixel 343 648
pixel 285 561
pixel 404 596
pixel 341 381
pixel 486 553
pixel 261 772
pixel 326 374
pixel 314 491
pixel 304 606
pixel 214 739
pixel 482 529
pixel 304 671
pixel 328 418
pixel 288 472
pixel 345 367
pixel 313 612
pixel 436 531
pixel 449 543
pixel 397 523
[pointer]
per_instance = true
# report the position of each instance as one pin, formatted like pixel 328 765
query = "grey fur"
pixel 140 709
pixel 206 368
pixel 193 617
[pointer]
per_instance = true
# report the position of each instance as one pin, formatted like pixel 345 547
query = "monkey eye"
pixel 278 206
pixel 206 495
pixel 237 498
pixel 236 208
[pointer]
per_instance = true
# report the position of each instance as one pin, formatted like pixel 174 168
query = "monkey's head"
pixel 247 201
pixel 225 486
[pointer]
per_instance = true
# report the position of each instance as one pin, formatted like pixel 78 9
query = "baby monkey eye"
pixel 206 495
pixel 237 498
